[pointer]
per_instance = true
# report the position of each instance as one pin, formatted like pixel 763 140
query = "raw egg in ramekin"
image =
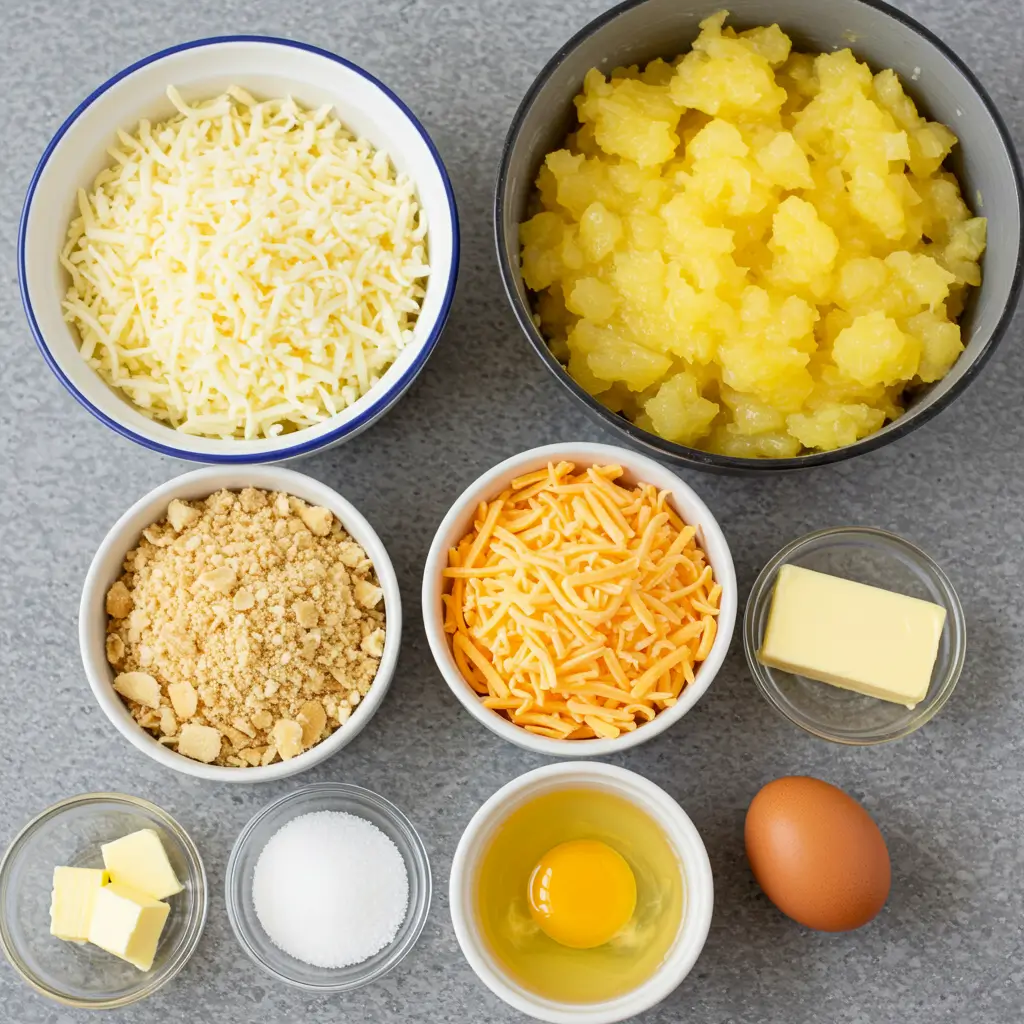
pixel 581 892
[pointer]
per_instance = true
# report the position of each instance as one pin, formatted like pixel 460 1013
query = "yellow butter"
pixel 851 635
pixel 127 923
pixel 140 862
pixel 72 899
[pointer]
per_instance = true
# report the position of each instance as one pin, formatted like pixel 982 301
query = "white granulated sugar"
pixel 330 889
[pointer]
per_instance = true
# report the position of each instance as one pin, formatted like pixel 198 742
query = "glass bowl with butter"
pixel 72 834
pixel 855 635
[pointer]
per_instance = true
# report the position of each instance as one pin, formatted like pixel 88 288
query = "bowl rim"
pixel 760 593
pixel 269 478
pixel 343 790
pixel 729 463
pixel 197 919
pixel 725 574
pixel 375 409
pixel 670 816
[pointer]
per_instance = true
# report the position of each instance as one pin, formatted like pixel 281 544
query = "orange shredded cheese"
pixel 578 606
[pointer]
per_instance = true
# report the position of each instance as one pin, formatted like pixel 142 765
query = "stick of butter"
pixel 139 861
pixel 127 923
pixel 851 635
pixel 72 900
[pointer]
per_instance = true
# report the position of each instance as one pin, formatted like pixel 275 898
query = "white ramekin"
pixel 268 67
pixel 698 889
pixel 106 567
pixel 637 468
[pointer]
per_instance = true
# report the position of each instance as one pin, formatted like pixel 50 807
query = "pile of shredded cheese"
pixel 245 268
pixel 579 607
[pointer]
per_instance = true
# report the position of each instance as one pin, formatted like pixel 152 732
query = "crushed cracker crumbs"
pixel 245 627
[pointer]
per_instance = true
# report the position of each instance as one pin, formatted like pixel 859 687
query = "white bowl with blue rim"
pixel 267 67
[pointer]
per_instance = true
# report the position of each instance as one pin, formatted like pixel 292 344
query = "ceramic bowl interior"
pixel 878 559
pixel 70 834
pixel 945 89
pixel 698 889
pixel 106 567
pixel 325 796
pixel 459 520
pixel 267 68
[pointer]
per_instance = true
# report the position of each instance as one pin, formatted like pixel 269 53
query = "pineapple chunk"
pixel 640 278
pixel 751 417
pixel 940 344
pixel 726 76
pixel 630 118
pixel 593 299
pixel 805 248
pixel 600 231
pixel 611 357
pixel 835 426
pixel 873 350
pixel 727 440
pixel 678 412
pixel 785 162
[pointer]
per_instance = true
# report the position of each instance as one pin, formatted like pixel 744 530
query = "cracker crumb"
pixel 306 614
pixel 367 594
pixel 138 687
pixel 200 742
pixel 180 515
pixel 287 736
pixel 115 648
pixel 262 720
pixel 317 519
pixel 183 699
pixel 245 610
pixel 119 601
pixel 373 643
pixel 312 718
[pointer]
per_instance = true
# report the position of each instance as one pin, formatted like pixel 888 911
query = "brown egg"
pixel 817 854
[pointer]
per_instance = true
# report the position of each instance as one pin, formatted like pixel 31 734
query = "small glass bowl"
pixel 325 796
pixel 70 833
pixel 879 559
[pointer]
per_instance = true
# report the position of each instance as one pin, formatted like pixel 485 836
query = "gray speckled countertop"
pixel 950 799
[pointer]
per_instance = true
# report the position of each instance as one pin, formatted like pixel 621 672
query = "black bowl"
pixel 945 89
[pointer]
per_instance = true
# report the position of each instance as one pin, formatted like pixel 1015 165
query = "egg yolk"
pixel 582 893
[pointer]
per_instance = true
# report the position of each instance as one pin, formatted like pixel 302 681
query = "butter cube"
pixel 861 638
pixel 127 923
pixel 139 861
pixel 71 903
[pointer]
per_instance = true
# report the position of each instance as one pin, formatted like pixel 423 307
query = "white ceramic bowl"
pixel 637 468
pixel 107 566
pixel 202 69
pixel 698 889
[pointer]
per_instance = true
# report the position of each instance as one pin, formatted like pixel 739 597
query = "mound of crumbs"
pixel 580 606
pixel 330 889
pixel 245 268
pixel 245 627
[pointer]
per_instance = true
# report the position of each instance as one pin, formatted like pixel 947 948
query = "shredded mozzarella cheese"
pixel 245 268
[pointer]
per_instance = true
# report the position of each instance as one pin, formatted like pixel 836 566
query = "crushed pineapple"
pixel 750 250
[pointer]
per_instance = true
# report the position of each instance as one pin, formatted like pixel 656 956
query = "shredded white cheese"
pixel 245 268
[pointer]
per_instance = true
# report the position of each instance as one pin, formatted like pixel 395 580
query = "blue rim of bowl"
pixel 341 789
pixel 376 409
pixel 658 446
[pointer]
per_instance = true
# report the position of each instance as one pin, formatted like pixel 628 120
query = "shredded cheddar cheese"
pixel 579 607
pixel 245 268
